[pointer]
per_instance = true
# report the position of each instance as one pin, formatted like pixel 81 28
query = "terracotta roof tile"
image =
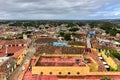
pixel 10 50
pixel 59 50
pixel 77 43
pixel 18 41
pixel 44 40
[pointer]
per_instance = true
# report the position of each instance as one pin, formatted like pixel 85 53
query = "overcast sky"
pixel 60 9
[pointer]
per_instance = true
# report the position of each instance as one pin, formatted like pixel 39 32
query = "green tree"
pixel 67 37
pixel 106 78
pixel 115 54
pixel 62 33
pixel 74 29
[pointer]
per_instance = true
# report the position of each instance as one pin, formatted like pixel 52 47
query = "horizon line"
pixel 54 19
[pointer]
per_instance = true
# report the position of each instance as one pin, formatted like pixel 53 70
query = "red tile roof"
pixel 17 54
pixel 101 67
pixel 58 61
pixel 29 76
pixel 45 40
pixel 11 50
pixel 8 42
pixel 58 50
pixel 2 42
pixel 79 43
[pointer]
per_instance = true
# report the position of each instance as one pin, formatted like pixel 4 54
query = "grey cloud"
pixel 70 9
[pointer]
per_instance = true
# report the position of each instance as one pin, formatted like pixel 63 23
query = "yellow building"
pixel 77 44
pixel 20 55
pixel 108 59
pixel 63 64
pixel 92 65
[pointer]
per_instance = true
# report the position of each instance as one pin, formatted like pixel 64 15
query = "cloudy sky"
pixel 60 9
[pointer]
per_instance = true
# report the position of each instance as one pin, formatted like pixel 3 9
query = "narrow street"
pixel 18 71
pixel 88 43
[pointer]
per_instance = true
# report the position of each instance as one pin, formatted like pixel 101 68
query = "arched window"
pixel 78 73
pixel 60 73
pixel 41 73
pixel 50 73
pixel 69 73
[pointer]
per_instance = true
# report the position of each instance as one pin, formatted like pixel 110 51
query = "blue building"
pixel 92 33
pixel 60 44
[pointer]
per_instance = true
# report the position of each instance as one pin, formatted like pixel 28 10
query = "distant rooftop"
pixel 8 42
pixel 45 40
pixel 10 50
pixel 59 50
pixel 78 43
